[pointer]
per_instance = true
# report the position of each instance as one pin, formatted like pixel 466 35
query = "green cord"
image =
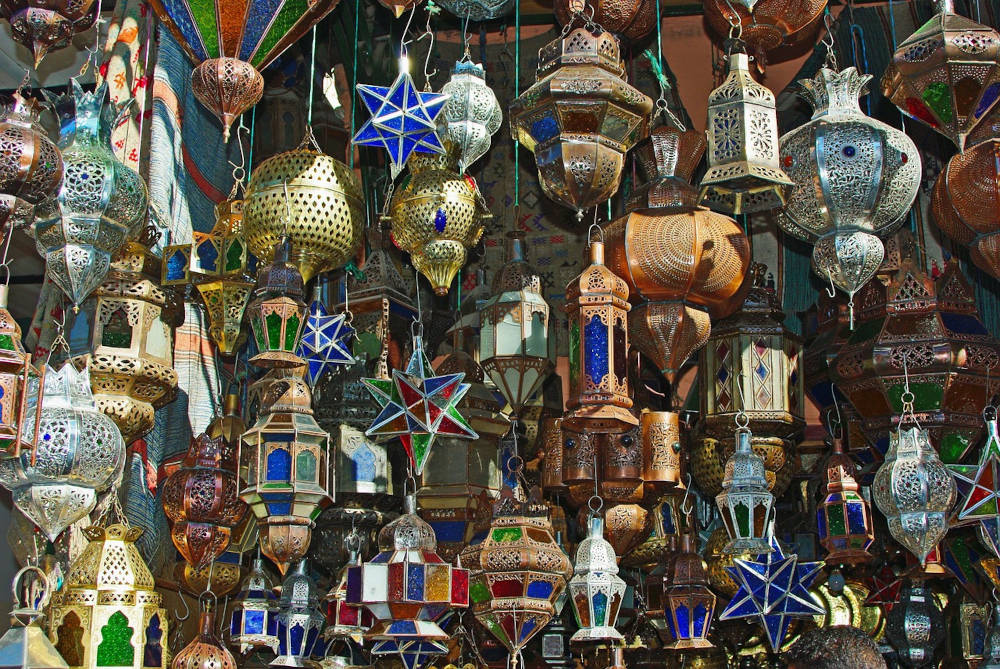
pixel 354 85
pixel 517 92
pixel 312 78
pixel 659 38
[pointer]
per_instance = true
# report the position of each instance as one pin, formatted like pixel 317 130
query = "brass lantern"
pixel 32 168
pixel 743 174
pixel 48 26
pixel 287 481
pixel 596 589
pixel 580 118
pixel 946 74
pixel 689 602
pixel 312 198
pixel 844 517
pixel 278 313
pixel 514 328
pixel 745 503
pixel 632 20
pixel 205 651
pixel 767 24
pixel 15 371
pixel 108 613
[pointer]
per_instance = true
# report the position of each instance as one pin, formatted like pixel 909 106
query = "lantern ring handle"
pixel 204 597
pixel 515 464
pixel 590 231
pixel 353 541
pixel 742 421
pixel 907 397
pixel 595 499
pixel 16 582
pixel 990 412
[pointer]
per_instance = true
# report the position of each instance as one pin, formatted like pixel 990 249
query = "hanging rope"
pixel 517 92
pixel 354 85
pixel 312 77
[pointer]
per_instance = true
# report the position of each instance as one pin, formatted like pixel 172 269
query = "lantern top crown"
pixel 840 471
pixel 689 568
pixel 744 467
pixel 597 280
pixel 256 583
pixel 831 91
pixel 110 561
pixel 379 274
pixel 514 503
pixel 67 388
pixel 280 278
pixel 409 532
pixel 298 591
pixel 23 111
pixel 739 85
pixel 516 274
pixel 204 451
pixel 582 47
pixel 469 68
pixel 288 391
pixel 667 159
pixel 594 552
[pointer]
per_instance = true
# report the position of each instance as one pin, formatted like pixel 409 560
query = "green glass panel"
pixel 574 355
pixel 234 256
pixel 987 509
pixel 742 513
pixel 498 632
pixel 115 649
pixel 505 534
pixel 287 17
pixel 291 333
pixel 479 592
pixel 866 331
pixel 420 443
pixel 926 396
pixel 273 321
pixel 305 466
pixel 953 446
pixel 937 96
pixel 6 342
pixel 208 28
pixel 835 520
pixel 258 333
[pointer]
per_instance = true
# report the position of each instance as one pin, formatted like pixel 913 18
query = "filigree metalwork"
pixel 472 115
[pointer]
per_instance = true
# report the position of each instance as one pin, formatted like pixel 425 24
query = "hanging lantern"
pixel 222 269
pixel 24 645
pixel 518 571
pixel 107 613
pixel 719 563
pixel 946 74
pixel 632 21
pixel 550 440
pixel 915 626
pixel 843 517
pixel 32 168
pixel 287 481
pixel 325 341
pixel 580 118
pixel 437 216
pixel 478 10
pixel 346 621
pixel 277 312
pixel 202 501
pixel 765 24
pixel 44 27
pixel 743 174
pixel 205 651
pixel 745 502
pixel 992 655
pixel 980 484
pixel 596 589
pixel 855 179
pixel 299 621
pixel 472 115
pixel 254 621
pixel 668 524
pixel 100 202
pixel 968 632
pixel 15 372
pixel 708 459
pixel 78 452
pixel 688 599
pixel 514 328
pixel 914 491
pixel 310 197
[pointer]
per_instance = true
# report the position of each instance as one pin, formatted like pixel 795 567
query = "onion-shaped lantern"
pixel 855 178
pixel 596 589
pixel 472 115
pixel 206 650
pixel 254 622
pixel 844 517
pixel 745 502
pixel 31 167
pixel 915 626
pixel 689 602
pixel 514 329
pixel 100 202
pixel 47 26
pixel 277 313
pixel 78 452
pixel 580 118
pixel 437 216
pixel 299 620
pixel 946 74
pixel 633 20
pixel 312 198
pixel 765 24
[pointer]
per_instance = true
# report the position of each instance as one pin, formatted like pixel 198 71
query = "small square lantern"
pixel 745 502
pixel 689 601
pixel 277 312
pixel 254 621
pixel 15 369
pixel 844 517
pixel 596 589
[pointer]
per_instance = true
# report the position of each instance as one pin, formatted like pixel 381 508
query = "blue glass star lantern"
pixel 325 342
pixel 402 118
pixel 979 487
pixel 417 407
pixel 775 589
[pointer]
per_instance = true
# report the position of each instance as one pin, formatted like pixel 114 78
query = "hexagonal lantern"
pixel 596 589
pixel 277 312
pixel 254 621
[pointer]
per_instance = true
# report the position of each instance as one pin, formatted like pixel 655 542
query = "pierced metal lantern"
pixel 580 118
pixel 855 179
pixel 745 502
pixel 78 452
pixel 844 517
pixel 24 645
pixel 514 329
pixel 15 371
pixel 31 168
pixel 743 174
pixel 765 24
pixel 100 203
pixel 43 27
pixel 632 20
pixel 689 602
pixel 915 491
pixel 472 115
pixel 517 572
pixel 437 216
pixel 478 10
pixel 946 74
pixel 915 626
pixel 221 267
pixel 254 623
pixel 287 479
pixel 205 650
pixel 312 198
pixel 277 312
pixel 596 589
pixel 299 620
pixel 108 614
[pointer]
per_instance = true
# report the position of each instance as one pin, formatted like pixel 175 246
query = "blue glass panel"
pixel 440 220
pixel 282 639
pixel 683 622
pixel 208 256
pixel 179 12
pixel 152 655
pixel 544 129
pixel 258 19
pixel 667 512
pixel 526 629
pixel 963 323
pixel 400 627
pixel 539 590
pixel 978 635
pixel 279 508
pixel 700 620
pixel 989 97
pixel 253 621
pixel 393 122
pixel 272 624
pixel 821 523
pixel 415 581
pixel 295 636
pixel 176 264
pixel 723 374
pixel 235 622
pixel 310 647
pixel 595 335
pixel 363 464
pixel 279 465
pixel 599 603
pixel 855 517
pixel 448 530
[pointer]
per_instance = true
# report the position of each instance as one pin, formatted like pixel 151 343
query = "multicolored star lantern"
pixel 979 492
pixel 417 407
pixel 402 118
pixel 775 588
pixel 325 342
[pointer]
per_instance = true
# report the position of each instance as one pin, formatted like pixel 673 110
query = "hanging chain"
pixel 907 397
pixel 831 55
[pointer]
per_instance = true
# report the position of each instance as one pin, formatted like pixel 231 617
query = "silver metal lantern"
pixel 745 502
pixel 254 621
pixel 299 619
pixel 478 10
pixel 472 115
pixel 596 589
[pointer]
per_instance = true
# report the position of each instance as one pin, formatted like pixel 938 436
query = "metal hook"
pixel 467 56
pixel 831 292
pixel 402 40
pixel 187 611
pixel 239 171
pixel 686 506
pixel 827 40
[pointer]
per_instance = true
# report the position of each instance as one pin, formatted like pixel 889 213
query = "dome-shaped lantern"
pixel 596 589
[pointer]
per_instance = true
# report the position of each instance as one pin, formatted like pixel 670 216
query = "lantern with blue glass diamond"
pixel 299 620
pixel 325 341
pixel 254 621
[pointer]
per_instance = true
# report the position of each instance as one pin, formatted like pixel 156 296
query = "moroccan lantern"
pixel 231 43
pixel 708 458
pixel 745 502
pixel 514 328
pixel 100 201
pixel 596 589
pixel 946 74
pixel 437 216
pixel 32 167
pixel 668 523
pixel 992 655
pixel 689 601
pixel 326 340
pixel 580 118
pixel 254 621
pixel 766 24
pixel 221 267
pixel 719 562
pixel 979 487
pixel 201 499
pixel 472 114
pixel 915 491
pixel 915 626
pixel 43 27
pixel 313 199
pixel 743 174
pixel 287 481
pixel 277 312
pixel 108 614
pixel 24 645
pixel 205 651
pixel 550 447
pixel 855 179
pixel 78 452
pixel 632 20
pixel 346 621
pixel 299 621
pixel 15 371
pixel 844 517
pixel 517 572
pixel 127 327
pixel 478 10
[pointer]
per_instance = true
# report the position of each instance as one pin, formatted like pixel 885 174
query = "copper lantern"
pixel 277 312
pixel 689 601
pixel 632 19
pixel 844 517
pixel 15 371
pixel 48 26
pixel 767 24
pixel 206 650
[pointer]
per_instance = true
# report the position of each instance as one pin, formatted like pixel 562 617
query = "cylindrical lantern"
pixel 689 602
pixel 254 621
pixel 745 502
pixel 596 589
pixel 915 626
pixel 843 516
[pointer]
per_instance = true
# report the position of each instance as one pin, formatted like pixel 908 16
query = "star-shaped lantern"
pixel 417 407
pixel 402 118
pixel 979 489
pixel 775 588
pixel 324 342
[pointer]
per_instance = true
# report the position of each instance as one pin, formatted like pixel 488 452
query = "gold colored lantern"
pixel 107 613
pixel 767 25
pixel 437 216
pixel 580 118
pixel 550 448
pixel 312 198
pixel 278 313
pixel 668 523
pixel 708 458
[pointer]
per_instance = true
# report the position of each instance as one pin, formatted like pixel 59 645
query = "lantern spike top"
pixel 740 85
pixel 516 274
pixel 298 591
pixel 831 91
pixel 840 471
pixel 23 111
pixel 409 532
pixel 280 277
pixel 944 6
pixel 595 553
